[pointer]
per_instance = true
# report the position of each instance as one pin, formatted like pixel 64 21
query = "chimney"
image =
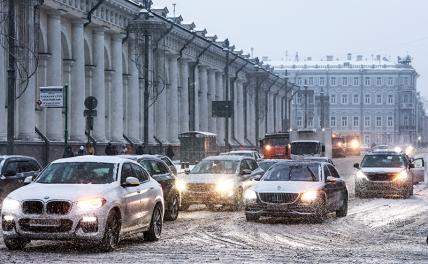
pixel 378 57
pixel 349 56
pixel 359 57
pixel 329 58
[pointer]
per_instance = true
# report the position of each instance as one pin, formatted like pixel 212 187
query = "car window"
pixel 244 166
pixel 158 167
pixel 333 171
pixel 126 172
pixel 253 164
pixel 163 167
pixel 293 172
pixel 167 161
pixel 140 174
pixel 35 166
pixel 25 166
pixel 147 165
pixel 326 171
pixel 11 166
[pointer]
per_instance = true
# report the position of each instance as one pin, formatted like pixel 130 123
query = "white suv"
pixel 88 198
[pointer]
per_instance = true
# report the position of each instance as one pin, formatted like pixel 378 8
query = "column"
pixel 172 95
pixel 151 107
pixel 220 96
pixel 278 110
pixel 212 125
pixel 196 103
pixel 203 103
pixel 41 82
pixel 184 84
pixel 77 87
pixel 161 122
pixel 99 85
pixel 54 128
pixel 133 105
pixel 3 87
pixel 239 129
pixel 117 90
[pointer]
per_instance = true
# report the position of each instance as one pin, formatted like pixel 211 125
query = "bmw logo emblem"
pixel 46 197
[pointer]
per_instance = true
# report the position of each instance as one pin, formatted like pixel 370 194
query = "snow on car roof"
pixel 307 140
pixel 90 158
pixel 242 151
pixel 136 157
pixel 226 157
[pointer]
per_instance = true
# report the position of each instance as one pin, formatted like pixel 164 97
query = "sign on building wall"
pixel 52 97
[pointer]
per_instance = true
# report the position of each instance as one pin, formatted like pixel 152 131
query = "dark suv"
pixel 386 173
pixel 14 170
pixel 161 172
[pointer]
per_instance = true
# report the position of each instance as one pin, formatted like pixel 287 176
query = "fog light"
pixel 8 218
pixel 89 219
pixel 8 223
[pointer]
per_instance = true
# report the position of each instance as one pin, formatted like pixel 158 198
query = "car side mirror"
pixel 357 166
pixel 257 177
pixel 10 173
pixel 246 172
pixel 187 171
pixel 131 182
pixel 330 179
pixel 412 166
pixel 28 180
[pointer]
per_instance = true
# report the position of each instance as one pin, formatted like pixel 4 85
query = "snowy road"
pixel 375 231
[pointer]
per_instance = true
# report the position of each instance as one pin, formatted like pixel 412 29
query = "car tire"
pixel 171 214
pixel 321 213
pixel 252 217
pixel 343 210
pixel 111 234
pixel 16 243
pixel 155 229
pixel 408 193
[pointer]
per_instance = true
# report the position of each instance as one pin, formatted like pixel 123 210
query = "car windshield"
pixel 293 172
pixel 301 148
pixel 245 154
pixel 216 167
pixel 276 141
pixel 383 161
pixel 265 165
pixel 78 173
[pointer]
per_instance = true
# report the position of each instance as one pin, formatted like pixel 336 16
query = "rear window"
pixel 244 154
pixel 293 172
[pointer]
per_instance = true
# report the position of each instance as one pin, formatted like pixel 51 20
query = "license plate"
pixel 44 222
pixel 277 207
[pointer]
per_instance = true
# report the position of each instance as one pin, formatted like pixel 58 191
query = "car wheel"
pixel 155 230
pixel 252 217
pixel 343 210
pixel 16 243
pixel 111 234
pixel 321 213
pixel 171 213
pixel 408 193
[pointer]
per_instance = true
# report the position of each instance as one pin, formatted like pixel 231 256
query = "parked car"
pixel 386 173
pixel 161 172
pixel 86 198
pixel 246 153
pixel 14 170
pixel 168 162
pixel 219 180
pixel 302 188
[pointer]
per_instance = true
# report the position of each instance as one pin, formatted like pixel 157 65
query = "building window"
pixel 390 99
pixel 299 81
pixel 333 81
pixel 299 99
pixel 322 81
pixel 333 99
pixel 406 120
pixel 356 81
pixel 310 122
pixel 367 81
pixel 299 121
pixel 367 140
pixel 378 81
pixel 367 121
pixel 345 81
pixel 406 80
pixel 311 81
pixel 356 121
pixel 390 81
pixel 390 122
pixel 367 99
pixel 332 121
pixel 378 121
pixel 344 121
pixel 344 99
pixel 378 99
pixel 356 99
pixel 310 98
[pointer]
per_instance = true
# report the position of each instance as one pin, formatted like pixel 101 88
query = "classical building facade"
pixel 374 98
pixel 127 54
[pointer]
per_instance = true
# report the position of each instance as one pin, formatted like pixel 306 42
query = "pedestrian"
pixel 114 151
pixel 81 151
pixel 109 149
pixel 90 149
pixel 169 152
pixel 68 153
pixel 124 150
pixel 140 150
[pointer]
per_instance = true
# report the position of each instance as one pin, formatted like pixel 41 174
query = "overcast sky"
pixel 316 28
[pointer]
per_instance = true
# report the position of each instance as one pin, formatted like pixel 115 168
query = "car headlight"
pixel 268 147
pixel 409 150
pixel 225 187
pixel 180 185
pixel 250 196
pixel 360 175
pixel 355 144
pixel 398 149
pixel 10 205
pixel 91 204
pixel 402 176
pixel 309 196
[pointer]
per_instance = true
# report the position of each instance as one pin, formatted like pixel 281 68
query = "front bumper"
pixel 280 210
pixel 191 197
pixel 55 227
pixel 382 187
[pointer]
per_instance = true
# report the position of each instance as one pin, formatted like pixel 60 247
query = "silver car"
pixel 87 198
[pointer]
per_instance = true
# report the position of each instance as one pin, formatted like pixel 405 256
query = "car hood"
pixel 381 170
pixel 286 186
pixel 208 178
pixel 70 192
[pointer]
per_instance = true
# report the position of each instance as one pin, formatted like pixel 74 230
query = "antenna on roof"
pixel 174 4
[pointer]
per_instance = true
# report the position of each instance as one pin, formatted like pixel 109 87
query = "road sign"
pixel 52 97
pixel 91 102
pixel 222 108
